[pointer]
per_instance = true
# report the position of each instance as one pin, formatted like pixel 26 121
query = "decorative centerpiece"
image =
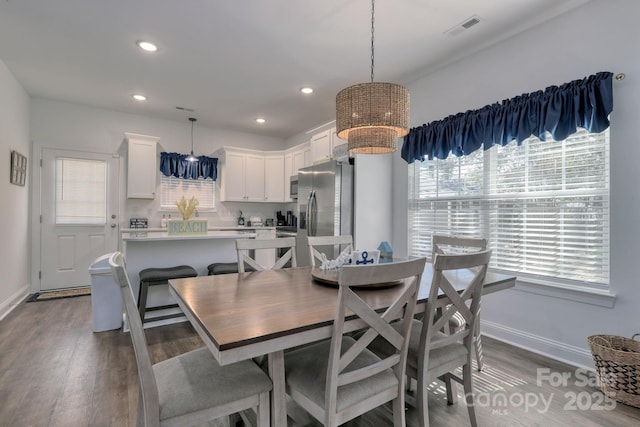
pixel 354 257
pixel 335 264
pixel 186 225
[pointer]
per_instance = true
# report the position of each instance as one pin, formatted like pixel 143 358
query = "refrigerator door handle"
pixel 309 219
pixel 313 214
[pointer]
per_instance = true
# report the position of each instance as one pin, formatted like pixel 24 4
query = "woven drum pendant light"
pixel 372 116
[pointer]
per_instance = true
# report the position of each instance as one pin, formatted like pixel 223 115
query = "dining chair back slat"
pixel 245 246
pixel 344 244
pixel 455 244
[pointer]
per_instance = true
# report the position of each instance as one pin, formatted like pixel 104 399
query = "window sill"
pixel 597 297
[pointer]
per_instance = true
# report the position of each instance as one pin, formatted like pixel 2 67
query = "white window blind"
pixel 543 206
pixel 172 189
pixel 81 192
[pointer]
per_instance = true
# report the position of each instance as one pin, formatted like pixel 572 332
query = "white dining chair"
pixel 441 244
pixel 434 354
pixel 245 246
pixel 344 244
pixel 339 379
pixel 192 388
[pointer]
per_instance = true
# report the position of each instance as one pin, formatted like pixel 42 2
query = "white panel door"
pixel 77 225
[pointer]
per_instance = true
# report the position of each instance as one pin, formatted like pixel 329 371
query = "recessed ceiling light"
pixel 260 120
pixel 139 97
pixel 148 46
pixel 306 90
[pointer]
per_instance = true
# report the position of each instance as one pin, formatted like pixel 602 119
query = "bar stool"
pixel 160 276
pixel 224 268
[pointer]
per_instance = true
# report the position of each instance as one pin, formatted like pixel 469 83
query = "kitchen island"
pixel 144 248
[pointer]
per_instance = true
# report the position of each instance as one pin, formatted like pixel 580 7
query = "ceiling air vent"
pixel 190 110
pixel 465 25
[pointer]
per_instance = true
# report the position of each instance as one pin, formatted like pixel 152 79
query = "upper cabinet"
pixel 288 172
pixel 142 166
pixel 301 159
pixel 251 176
pixel 274 178
pixel 259 176
pixel 321 146
pixel 242 176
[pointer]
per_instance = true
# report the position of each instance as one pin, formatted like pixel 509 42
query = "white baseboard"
pixel 12 302
pixel 576 356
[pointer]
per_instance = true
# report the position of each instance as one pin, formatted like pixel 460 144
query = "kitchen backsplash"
pixel 226 214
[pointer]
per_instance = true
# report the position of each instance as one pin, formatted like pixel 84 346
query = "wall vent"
pixel 464 25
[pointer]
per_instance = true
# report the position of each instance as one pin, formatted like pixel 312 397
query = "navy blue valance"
pixel 174 164
pixel 559 110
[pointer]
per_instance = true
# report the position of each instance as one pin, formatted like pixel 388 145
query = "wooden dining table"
pixel 246 315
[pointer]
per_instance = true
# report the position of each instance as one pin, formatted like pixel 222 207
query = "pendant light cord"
pixel 192 122
pixel 372 28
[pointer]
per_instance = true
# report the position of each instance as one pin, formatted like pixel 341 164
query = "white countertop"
pixel 153 235
pixel 236 228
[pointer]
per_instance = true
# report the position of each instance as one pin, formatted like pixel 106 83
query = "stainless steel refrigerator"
pixel 325 205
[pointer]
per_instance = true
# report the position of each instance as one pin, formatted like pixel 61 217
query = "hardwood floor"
pixel 54 371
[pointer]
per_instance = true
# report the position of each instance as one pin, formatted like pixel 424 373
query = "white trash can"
pixel 106 300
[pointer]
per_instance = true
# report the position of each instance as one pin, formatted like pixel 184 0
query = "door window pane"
pixel 81 192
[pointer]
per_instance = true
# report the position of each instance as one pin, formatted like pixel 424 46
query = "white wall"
pixel 70 126
pixel 372 200
pixel 596 37
pixel 14 135
pixel 62 125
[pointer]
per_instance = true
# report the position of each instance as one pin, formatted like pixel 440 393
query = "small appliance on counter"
pixel 268 222
pixel 255 221
pixel 290 220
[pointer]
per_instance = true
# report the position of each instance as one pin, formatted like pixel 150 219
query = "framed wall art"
pixel 18 168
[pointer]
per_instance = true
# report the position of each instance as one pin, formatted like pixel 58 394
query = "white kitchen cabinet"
pixel 299 160
pixel 242 176
pixel 142 166
pixel 321 146
pixel 307 157
pixel 274 178
pixel 288 172
pixel 254 178
pixel 295 158
pixel 334 138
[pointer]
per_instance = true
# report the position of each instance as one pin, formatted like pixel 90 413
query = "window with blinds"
pixel 81 192
pixel 172 189
pixel 543 206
